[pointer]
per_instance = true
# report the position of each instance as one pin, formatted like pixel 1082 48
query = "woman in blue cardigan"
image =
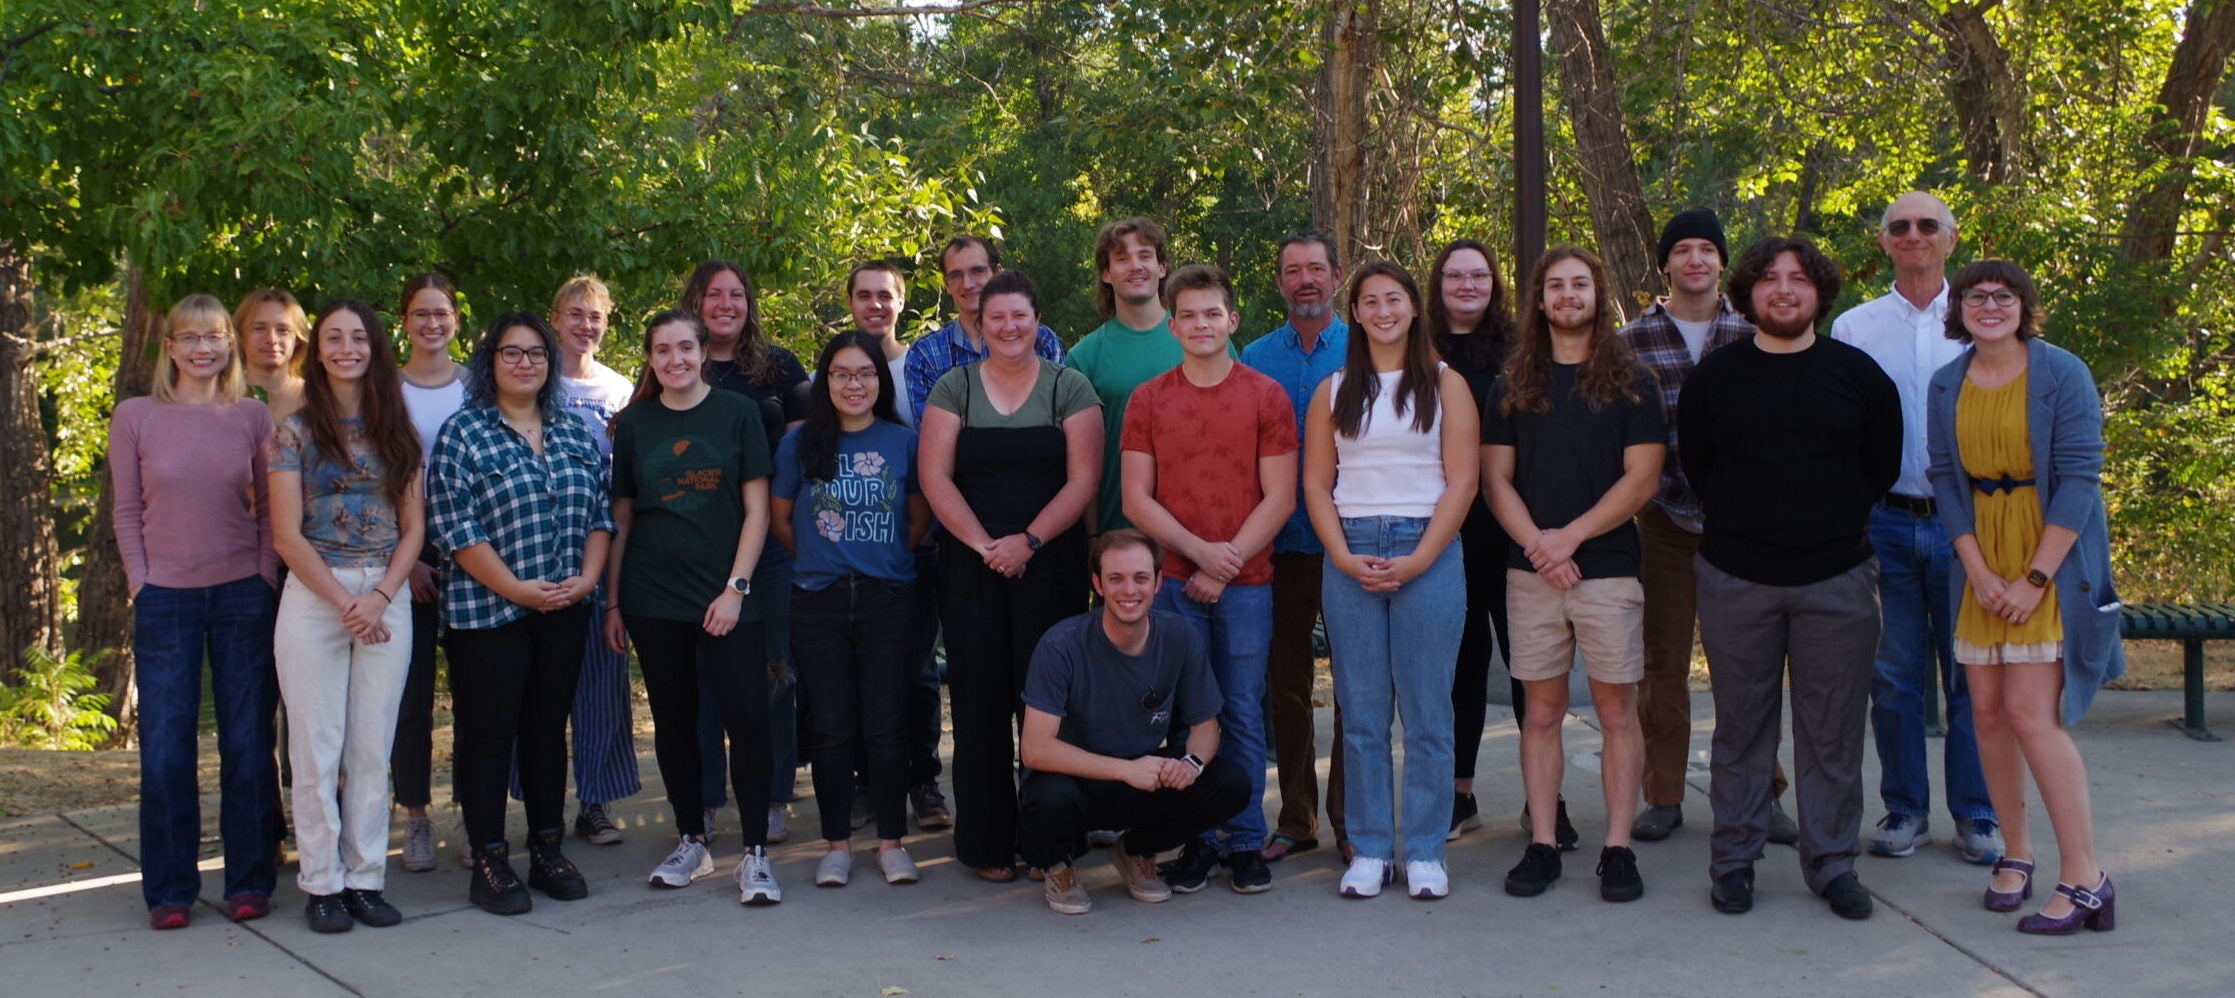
pixel 2016 437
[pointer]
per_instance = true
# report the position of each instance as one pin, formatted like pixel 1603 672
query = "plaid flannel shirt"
pixel 485 485
pixel 1660 346
pixel 948 348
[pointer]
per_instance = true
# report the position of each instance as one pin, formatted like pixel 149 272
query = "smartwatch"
pixel 1032 541
pixel 741 585
pixel 2035 578
pixel 1191 760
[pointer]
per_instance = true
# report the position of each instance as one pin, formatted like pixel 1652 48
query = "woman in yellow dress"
pixel 2016 436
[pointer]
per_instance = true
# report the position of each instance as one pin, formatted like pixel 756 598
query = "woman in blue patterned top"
pixel 845 501
pixel 346 517
pixel 518 507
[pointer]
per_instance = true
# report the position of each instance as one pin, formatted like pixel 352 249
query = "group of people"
pixel 1907 495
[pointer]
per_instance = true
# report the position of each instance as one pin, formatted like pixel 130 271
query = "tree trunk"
pixel 104 602
pixel 1345 79
pixel 2177 136
pixel 1619 221
pixel 1986 95
pixel 30 584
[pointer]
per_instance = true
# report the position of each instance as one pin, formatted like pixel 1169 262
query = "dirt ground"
pixel 39 782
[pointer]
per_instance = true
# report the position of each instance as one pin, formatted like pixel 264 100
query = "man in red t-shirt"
pixel 1209 472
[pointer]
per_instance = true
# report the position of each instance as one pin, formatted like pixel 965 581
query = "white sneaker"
pixel 688 862
pixel 778 828
pixel 756 879
pixel 837 866
pixel 1425 879
pixel 899 867
pixel 1365 877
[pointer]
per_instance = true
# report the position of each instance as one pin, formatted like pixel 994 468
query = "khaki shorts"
pixel 1605 618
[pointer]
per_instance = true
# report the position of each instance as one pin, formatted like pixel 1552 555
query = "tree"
pixel 1619 220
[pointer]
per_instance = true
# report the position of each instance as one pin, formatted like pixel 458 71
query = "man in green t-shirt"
pixel 1134 345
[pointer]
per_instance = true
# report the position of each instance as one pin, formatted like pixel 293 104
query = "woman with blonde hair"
pixel 194 528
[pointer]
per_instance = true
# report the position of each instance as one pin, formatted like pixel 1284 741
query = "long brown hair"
pixel 1361 384
pixel 380 405
pixel 754 358
pixel 1610 372
pixel 1485 348
pixel 648 381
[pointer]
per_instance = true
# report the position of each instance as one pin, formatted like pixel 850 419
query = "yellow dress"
pixel 1991 436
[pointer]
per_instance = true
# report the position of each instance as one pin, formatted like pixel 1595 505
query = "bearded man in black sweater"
pixel 1788 438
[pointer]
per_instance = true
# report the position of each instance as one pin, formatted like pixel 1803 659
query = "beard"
pixel 1786 330
pixel 1312 311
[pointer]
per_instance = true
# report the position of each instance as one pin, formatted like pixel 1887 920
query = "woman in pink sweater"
pixel 195 531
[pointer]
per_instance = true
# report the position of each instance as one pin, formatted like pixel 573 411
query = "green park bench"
pixel 2191 625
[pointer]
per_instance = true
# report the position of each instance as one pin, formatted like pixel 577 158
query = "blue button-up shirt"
pixel 1280 355
pixel 485 485
pixel 949 348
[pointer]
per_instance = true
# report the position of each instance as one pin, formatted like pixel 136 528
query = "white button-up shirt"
pixel 1909 344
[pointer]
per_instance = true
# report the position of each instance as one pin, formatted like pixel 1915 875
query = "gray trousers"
pixel 1828 632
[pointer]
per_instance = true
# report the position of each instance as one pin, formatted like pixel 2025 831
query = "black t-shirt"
pixel 1567 458
pixel 782 401
pixel 1119 705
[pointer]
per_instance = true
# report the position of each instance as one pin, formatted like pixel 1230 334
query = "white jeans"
pixel 342 698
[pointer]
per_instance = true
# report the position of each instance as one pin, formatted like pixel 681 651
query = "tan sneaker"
pixel 1139 873
pixel 1064 893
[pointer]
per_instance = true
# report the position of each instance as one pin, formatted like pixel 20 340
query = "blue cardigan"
pixel 2064 427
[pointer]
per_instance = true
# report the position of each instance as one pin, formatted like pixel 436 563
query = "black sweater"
pixel 1788 452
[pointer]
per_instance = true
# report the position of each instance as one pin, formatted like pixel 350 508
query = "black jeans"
pixel 1484 545
pixel 411 759
pixel 850 642
pixel 673 655
pixel 512 687
pixel 923 691
pixel 1056 811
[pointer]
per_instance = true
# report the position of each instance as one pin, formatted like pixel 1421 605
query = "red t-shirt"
pixel 1207 442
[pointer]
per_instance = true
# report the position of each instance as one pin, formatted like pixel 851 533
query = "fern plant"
pixel 53 705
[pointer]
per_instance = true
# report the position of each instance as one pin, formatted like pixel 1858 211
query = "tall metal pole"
pixel 1528 139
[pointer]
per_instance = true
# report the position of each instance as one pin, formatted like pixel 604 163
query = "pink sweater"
pixel 192 503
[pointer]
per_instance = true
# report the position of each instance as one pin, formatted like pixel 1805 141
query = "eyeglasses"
pixel 1466 277
pixel 854 377
pixel 2002 298
pixel 431 315
pixel 192 340
pixel 530 356
pixel 1925 227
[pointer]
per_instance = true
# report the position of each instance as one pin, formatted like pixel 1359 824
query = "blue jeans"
pixel 1395 655
pixel 1238 632
pixel 772 577
pixel 174 631
pixel 1914 560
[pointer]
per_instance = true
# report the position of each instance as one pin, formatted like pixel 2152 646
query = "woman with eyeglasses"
pixel 2015 432
pixel 434 386
pixel 194 530
pixel 846 503
pixel 346 517
pixel 518 506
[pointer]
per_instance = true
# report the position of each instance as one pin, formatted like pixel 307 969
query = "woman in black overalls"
pixel 1010 456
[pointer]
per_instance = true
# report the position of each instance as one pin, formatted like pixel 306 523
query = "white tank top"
pixel 1390 468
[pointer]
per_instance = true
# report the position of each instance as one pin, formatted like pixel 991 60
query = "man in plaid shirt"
pixel 1670 338
pixel 966 263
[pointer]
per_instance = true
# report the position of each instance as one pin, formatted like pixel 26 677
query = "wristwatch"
pixel 2035 578
pixel 1032 541
pixel 741 585
pixel 1191 760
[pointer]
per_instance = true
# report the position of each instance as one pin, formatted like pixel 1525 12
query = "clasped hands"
pixel 545 597
pixel 1552 554
pixel 2013 600
pixel 1157 772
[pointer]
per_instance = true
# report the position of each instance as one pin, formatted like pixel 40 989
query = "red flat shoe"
pixel 169 916
pixel 249 906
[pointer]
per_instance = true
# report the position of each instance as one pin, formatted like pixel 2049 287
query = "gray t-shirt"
pixel 1119 705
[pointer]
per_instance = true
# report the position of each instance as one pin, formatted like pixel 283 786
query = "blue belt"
pixel 2004 484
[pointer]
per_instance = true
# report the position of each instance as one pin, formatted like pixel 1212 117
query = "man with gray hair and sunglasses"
pixel 1904 331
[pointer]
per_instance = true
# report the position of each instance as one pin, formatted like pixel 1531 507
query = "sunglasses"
pixel 1899 227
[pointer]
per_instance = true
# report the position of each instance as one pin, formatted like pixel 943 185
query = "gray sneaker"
pixel 1979 840
pixel 1899 834
pixel 419 844
pixel 1064 894
pixel 836 868
pixel 898 866
pixel 594 825
pixel 778 828
pixel 1657 822
pixel 1783 830
pixel 1139 874
pixel 756 879
pixel 688 862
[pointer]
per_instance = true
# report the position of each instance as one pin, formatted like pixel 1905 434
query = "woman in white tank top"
pixel 1389 472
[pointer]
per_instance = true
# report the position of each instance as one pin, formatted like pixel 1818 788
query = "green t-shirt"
pixel 684 474
pixel 1058 394
pixel 1116 358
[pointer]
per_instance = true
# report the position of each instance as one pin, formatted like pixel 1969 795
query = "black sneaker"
pixel 1564 834
pixel 1464 815
pixel 551 872
pixel 1847 897
pixel 370 908
pixel 930 806
pixel 1539 867
pixel 328 913
pixel 1733 893
pixel 1618 878
pixel 1192 869
pixel 1249 872
pixel 596 826
pixel 496 889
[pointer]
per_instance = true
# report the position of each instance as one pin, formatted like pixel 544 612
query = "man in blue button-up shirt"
pixel 1300 355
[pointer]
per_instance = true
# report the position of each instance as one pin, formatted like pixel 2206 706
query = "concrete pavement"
pixel 71 920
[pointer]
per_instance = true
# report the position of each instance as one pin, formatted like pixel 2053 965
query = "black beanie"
pixel 1693 223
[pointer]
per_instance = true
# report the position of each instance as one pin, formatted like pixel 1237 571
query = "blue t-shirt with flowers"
pixel 857 521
